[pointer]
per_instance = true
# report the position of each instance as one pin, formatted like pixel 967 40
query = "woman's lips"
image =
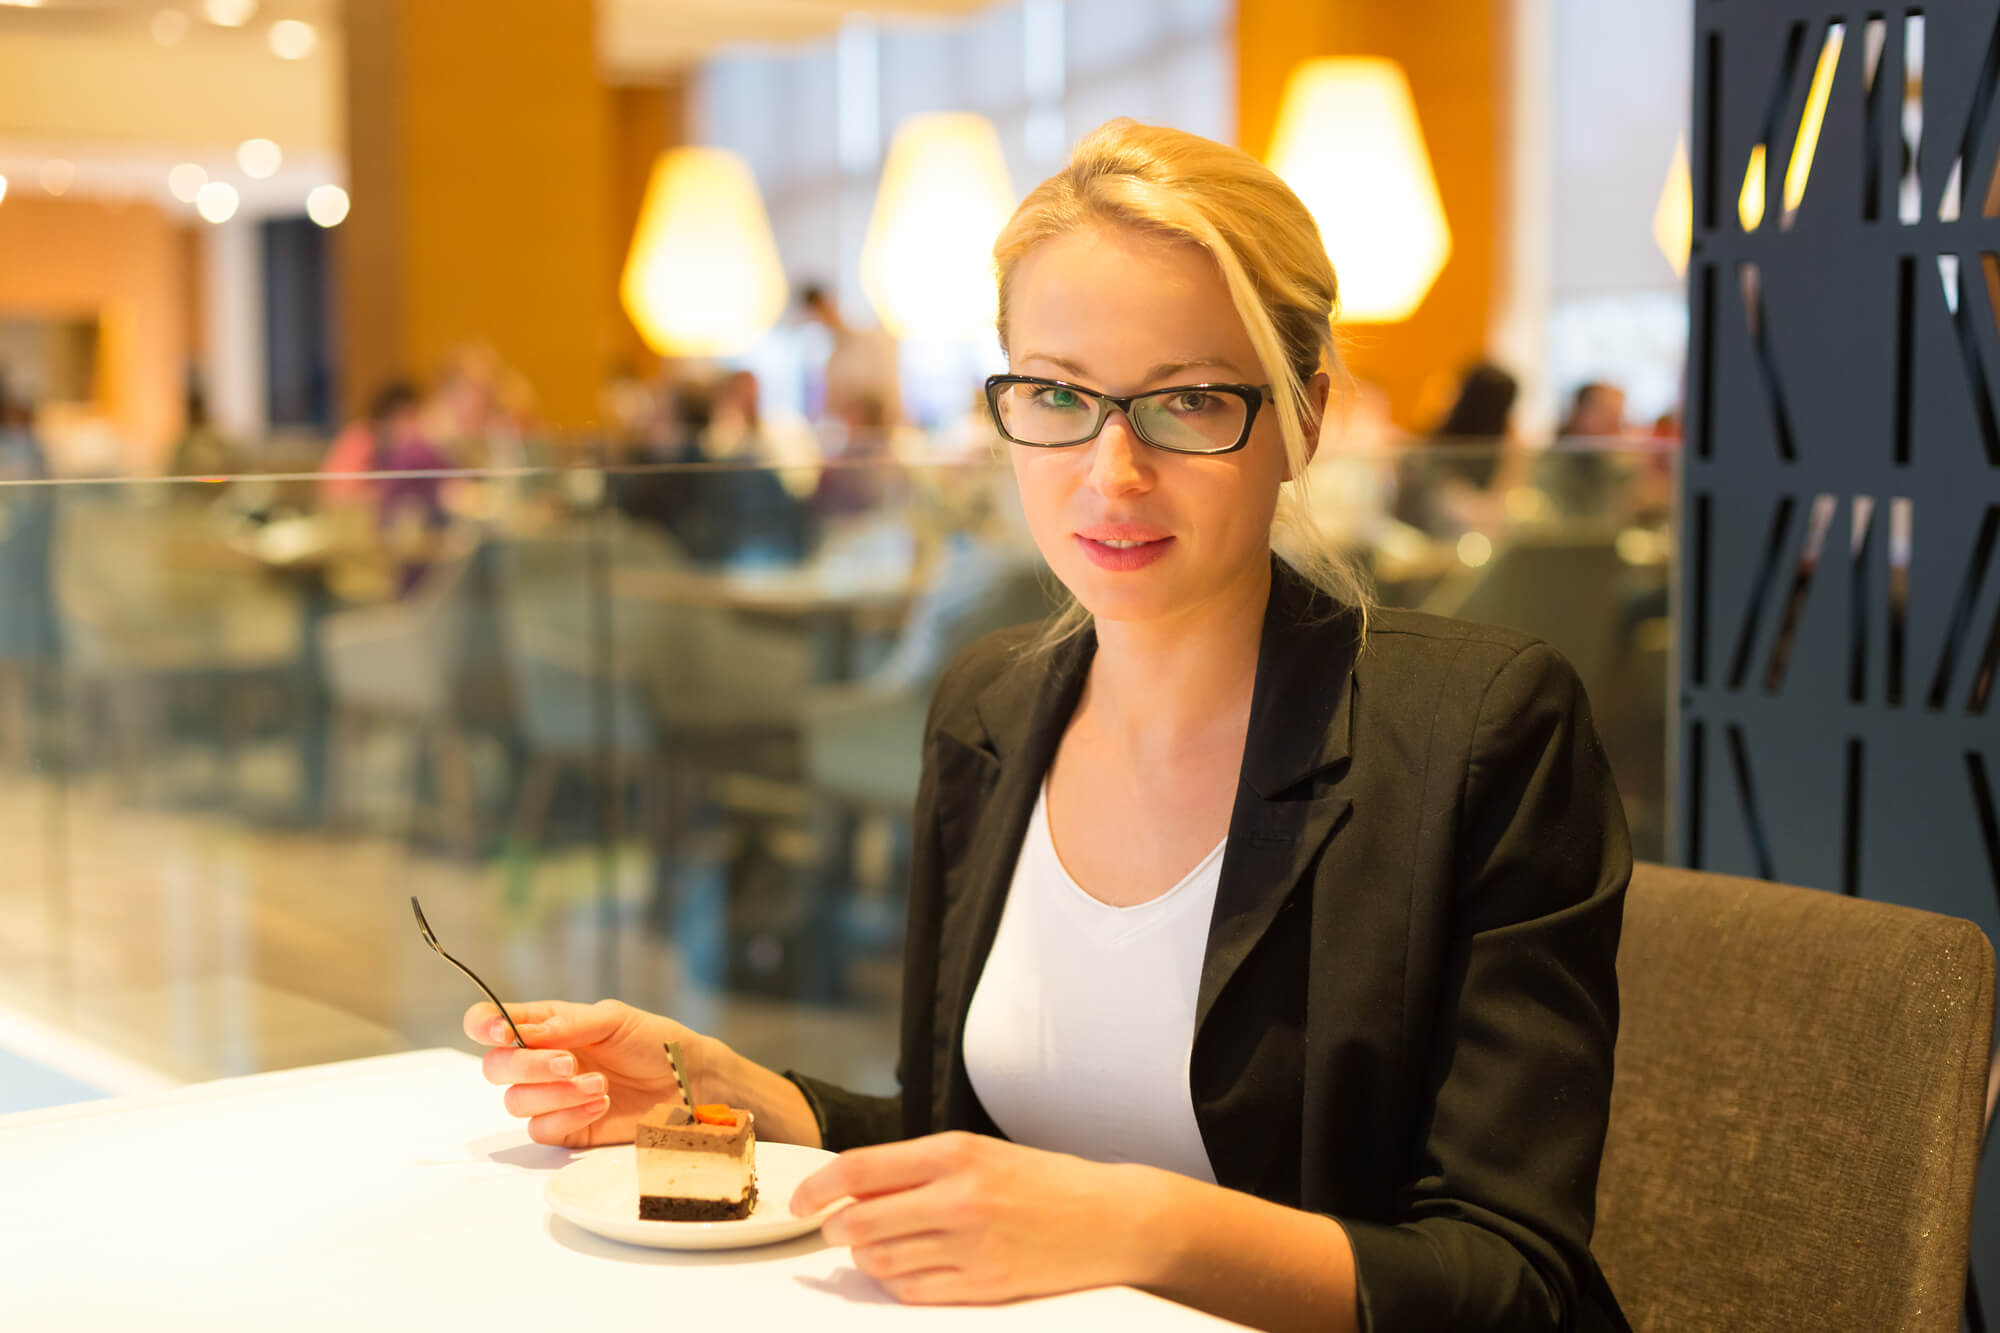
pixel 1129 552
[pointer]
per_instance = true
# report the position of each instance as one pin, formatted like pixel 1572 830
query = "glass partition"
pixel 650 733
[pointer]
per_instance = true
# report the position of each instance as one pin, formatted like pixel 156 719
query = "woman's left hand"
pixel 962 1218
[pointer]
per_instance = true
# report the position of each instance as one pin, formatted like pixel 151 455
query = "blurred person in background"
pixel 1583 475
pixel 861 474
pixel 463 413
pixel 1596 412
pixel 202 450
pixel 1453 485
pixel 386 465
pixel 22 457
pixel 860 385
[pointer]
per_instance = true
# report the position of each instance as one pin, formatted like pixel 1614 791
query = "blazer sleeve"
pixel 1500 1186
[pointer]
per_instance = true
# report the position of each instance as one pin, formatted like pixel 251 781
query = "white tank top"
pixel 1080 1028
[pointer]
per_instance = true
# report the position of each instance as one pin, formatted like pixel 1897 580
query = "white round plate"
pixel 599 1192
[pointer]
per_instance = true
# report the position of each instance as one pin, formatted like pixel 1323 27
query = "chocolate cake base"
pixel 658 1208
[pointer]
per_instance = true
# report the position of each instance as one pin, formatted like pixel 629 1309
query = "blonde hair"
pixel 1172 183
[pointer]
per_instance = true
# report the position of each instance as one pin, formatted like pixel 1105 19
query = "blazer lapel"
pixel 1024 713
pixel 1299 718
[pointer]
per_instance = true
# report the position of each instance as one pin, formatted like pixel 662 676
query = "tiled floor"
pixel 202 945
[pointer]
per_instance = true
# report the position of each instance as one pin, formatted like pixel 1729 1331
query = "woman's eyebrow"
pixel 1159 372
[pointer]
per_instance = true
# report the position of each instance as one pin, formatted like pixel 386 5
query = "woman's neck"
pixel 1164 684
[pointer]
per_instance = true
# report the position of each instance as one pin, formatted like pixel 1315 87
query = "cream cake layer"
pixel 692 1171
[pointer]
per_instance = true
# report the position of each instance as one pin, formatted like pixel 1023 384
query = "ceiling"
pixel 636 38
pixel 641 38
pixel 89 82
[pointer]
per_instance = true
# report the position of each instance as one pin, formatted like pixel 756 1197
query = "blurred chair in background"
pixel 864 741
pixel 155 608
pixel 430 666
pixel 30 642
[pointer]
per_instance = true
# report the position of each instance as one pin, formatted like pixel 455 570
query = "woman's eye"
pixel 1188 404
pixel 1062 399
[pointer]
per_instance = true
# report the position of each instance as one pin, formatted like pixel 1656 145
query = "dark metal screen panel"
pixel 1841 569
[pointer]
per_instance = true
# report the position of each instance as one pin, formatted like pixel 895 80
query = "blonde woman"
pixel 1260 947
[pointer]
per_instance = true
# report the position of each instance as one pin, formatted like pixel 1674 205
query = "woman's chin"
pixel 1122 597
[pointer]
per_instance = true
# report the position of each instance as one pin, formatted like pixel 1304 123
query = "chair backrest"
pixel 1561 586
pixel 1798 1109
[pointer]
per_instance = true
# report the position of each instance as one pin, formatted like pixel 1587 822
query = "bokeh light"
pixel 292 39
pixel 259 158
pixel 327 205
pixel 186 181
pixel 217 201
pixel 229 13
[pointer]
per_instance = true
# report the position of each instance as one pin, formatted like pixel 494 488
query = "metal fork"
pixel 431 939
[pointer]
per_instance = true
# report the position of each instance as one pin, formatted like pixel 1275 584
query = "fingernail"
pixel 590 1083
pixel 563 1066
pixel 500 1032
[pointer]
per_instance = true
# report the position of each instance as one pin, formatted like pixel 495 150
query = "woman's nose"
pixel 1118 464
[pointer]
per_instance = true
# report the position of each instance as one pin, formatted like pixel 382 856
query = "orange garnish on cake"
pixel 715 1113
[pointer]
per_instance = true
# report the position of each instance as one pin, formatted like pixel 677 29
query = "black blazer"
pixel 1407 1007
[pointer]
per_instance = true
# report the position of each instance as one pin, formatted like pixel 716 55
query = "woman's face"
pixel 1114 309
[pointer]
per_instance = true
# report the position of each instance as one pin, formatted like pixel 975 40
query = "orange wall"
pixel 479 139
pixel 126 264
pixel 1453 52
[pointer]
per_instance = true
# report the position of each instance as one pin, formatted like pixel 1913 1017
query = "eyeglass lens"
pixel 1188 420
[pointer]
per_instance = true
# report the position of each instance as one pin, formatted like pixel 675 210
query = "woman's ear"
pixel 1318 390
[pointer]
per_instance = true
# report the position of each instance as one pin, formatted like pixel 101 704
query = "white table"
pixel 389 1194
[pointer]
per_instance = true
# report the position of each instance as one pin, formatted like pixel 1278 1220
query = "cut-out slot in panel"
pixel 1982 676
pixel 1961 613
pixel 1861 555
pixel 1798 172
pixel 1902 515
pixel 1711 116
pixel 1966 161
pixel 1756 198
pixel 1746 799
pixel 1850 829
pixel 1697 761
pixel 1906 338
pixel 1760 592
pixel 1958 296
pixel 1704 328
pixel 1910 188
pixel 1819 522
pixel 1699 609
pixel 1875 39
pixel 1751 280
pixel 1983 811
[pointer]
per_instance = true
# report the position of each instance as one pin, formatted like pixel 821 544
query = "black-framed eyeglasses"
pixel 1182 419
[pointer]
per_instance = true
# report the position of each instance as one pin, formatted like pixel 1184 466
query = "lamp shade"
pixel 927 262
pixel 702 277
pixel 1349 145
pixel 1673 216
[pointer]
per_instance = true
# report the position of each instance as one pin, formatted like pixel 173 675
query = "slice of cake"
pixel 696 1167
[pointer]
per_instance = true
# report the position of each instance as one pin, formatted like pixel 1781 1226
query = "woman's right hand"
pixel 590 1070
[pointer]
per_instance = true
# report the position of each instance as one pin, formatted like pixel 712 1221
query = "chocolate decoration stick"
pixel 680 1077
